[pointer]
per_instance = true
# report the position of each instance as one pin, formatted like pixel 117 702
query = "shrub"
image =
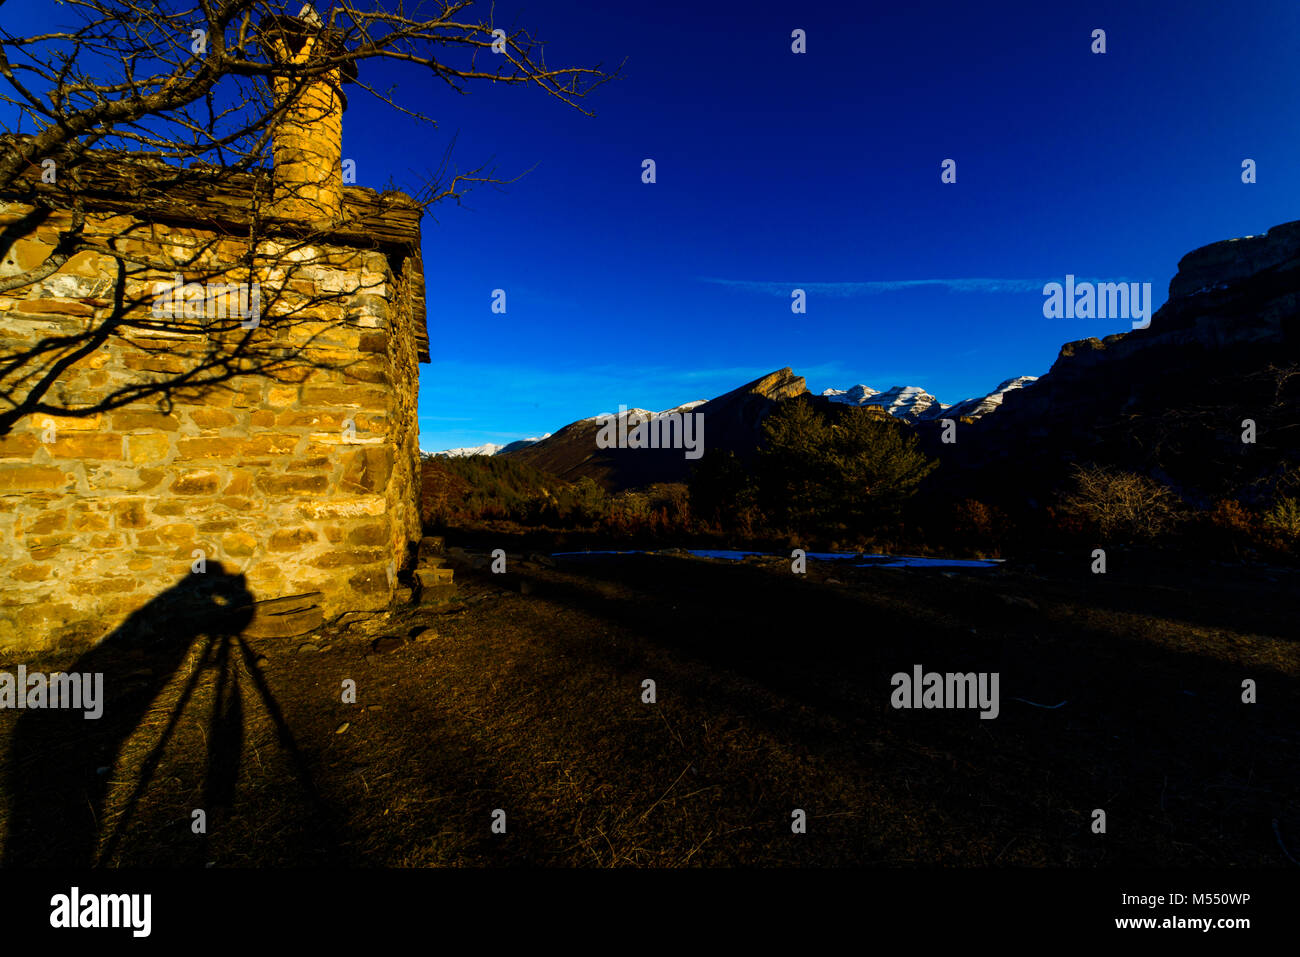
pixel 1284 518
pixel 590 502
pixel 972 519
pixel 721 490
pixel 1119 503
pixel 1230 516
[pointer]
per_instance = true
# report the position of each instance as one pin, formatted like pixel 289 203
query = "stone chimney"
pixel 307 143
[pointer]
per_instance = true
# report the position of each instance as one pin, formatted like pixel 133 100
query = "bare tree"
pixel 137 108
pixel 175 85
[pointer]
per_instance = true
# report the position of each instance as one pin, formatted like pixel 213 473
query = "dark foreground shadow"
pixel 60 763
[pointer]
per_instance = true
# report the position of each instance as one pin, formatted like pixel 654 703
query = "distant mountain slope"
pixel 490 448
pixel 731 422
pixel 978 408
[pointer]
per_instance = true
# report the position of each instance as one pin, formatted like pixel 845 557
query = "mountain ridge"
pixel 899 401
pixel 1168 400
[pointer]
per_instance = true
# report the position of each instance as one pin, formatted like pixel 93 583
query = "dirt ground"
pixel 773 694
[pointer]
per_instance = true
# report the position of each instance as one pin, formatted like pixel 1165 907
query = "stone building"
pixel 218 380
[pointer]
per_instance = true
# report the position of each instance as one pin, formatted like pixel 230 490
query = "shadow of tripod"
pixel 57 796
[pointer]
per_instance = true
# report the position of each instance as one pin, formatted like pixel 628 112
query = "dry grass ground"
pixel 773 694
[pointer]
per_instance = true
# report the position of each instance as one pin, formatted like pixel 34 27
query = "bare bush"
pixel 1122 503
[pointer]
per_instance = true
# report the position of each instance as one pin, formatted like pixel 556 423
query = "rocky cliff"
pixel 1169 399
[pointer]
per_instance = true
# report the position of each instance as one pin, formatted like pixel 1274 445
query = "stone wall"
pixel 154 445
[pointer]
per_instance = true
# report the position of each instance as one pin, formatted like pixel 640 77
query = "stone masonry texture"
pixel 286 453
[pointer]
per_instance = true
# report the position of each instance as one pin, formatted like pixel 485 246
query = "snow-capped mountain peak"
pixel 913 402
pixel 854 396
pixel 490 448
pixel 904 401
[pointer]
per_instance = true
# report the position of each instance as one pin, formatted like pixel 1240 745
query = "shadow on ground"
pixel 526 695
pixel 83 791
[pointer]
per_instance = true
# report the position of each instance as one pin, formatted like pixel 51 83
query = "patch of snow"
pixel 579 554
pixel 916 561
pixel 886 561
pixel 684 408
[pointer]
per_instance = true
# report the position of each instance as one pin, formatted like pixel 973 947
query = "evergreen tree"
pixel 854 472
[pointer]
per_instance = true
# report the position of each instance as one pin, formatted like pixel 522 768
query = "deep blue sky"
pixel 822 168
pixel 778 170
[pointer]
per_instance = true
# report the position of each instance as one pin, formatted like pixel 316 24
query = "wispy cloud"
pixel 845 290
